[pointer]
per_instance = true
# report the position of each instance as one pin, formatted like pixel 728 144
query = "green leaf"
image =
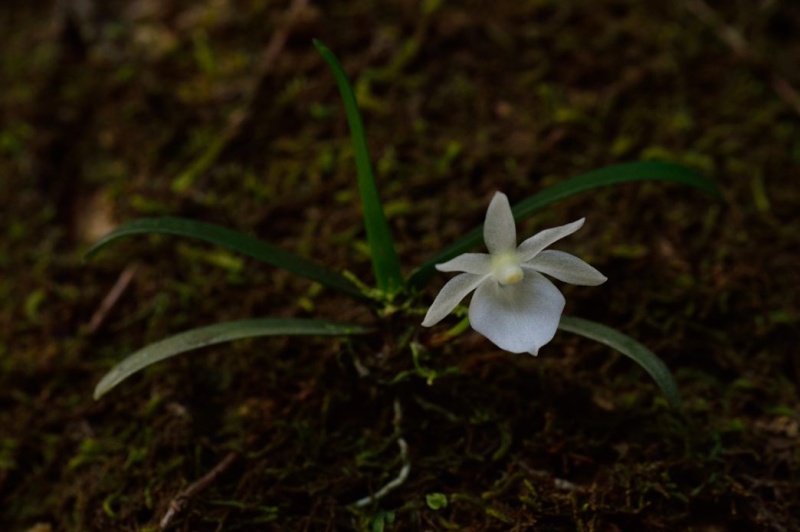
pixel 603 177
pixel 628 347
pixel 384 257
pixel 436 501
pixel 215 334
pixel 235 241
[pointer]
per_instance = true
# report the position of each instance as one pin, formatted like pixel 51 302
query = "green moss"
pixel 460 101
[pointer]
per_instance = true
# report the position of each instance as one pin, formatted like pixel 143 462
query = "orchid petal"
pixel 499 231
pixel 532 246
pixel 565 267
pixel 477 263
pixel 518 318
pixel 451 295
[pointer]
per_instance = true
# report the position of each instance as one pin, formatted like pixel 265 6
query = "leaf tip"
pixel 319 45
pixel 109 381
pixel 89 253
pixel 99 391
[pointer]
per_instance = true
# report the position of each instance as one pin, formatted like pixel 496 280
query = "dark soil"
pixel 223 111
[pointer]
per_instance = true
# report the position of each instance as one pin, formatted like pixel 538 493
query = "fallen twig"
pixel 112 297
pixel 238 118
pixel 742 49
pixel 178 504
pixel 558 483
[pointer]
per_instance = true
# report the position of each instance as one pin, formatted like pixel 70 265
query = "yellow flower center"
pixel 506 270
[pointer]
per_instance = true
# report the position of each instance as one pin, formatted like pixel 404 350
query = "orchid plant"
pixel 514 305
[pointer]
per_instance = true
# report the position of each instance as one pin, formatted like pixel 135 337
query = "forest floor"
pixel 224 112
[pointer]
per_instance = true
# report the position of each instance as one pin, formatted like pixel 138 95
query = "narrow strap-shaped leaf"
pixel 235 241
pixel 628 347
pixel 603 177
pixel 384 257
pixel 215 334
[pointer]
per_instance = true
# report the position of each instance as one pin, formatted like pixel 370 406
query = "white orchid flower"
pixel 514 306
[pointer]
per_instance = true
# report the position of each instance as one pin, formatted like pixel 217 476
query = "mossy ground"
pixel 141 108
